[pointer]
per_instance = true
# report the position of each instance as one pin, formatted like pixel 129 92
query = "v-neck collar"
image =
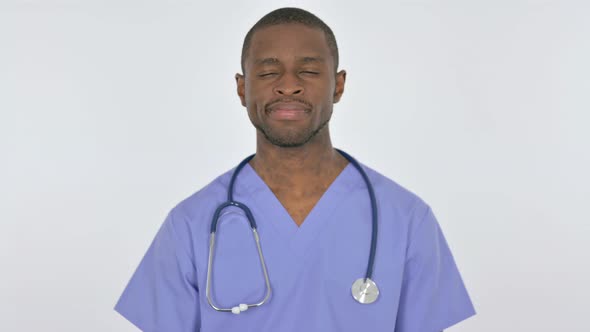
pixel 276 216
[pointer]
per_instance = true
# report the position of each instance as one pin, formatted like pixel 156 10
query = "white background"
pixel 111 112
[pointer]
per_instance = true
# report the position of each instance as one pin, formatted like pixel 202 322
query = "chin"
pixel 287 139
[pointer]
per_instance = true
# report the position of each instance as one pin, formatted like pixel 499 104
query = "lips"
pixel 288 111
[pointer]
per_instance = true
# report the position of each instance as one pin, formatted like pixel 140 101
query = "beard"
pixel 291 138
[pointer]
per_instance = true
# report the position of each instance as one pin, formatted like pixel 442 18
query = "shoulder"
pixel 201 204
pixel 396 198
pixel 402 212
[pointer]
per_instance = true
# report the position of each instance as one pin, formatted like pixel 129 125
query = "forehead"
pixel 288 41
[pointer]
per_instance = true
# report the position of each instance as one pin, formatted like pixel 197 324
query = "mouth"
pixel 288 111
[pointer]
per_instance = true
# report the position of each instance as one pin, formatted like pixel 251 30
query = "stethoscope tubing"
pixel 373 199
pixel 230 202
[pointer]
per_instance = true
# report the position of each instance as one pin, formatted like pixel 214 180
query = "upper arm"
pixel 433 295
pixel 162 294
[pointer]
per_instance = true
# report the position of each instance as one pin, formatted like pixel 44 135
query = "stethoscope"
pixel 364 290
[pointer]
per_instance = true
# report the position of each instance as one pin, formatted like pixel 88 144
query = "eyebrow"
pixel 275 61
pixel 267 61
pixel 311 59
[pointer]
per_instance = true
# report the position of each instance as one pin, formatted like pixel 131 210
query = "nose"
pixel 288 85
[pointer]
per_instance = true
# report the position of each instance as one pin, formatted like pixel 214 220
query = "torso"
pixel 311 267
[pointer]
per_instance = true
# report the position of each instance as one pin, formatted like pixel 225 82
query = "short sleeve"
pixel 162 295
pixel 433 295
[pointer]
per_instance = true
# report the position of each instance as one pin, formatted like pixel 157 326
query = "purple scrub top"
pixel 311 267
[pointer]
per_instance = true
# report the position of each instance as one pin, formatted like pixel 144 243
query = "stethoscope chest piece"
pixel 365 291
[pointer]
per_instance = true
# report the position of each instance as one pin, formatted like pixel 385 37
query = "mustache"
pixel 287 100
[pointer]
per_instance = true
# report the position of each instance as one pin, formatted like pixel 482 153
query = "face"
pixel 289 85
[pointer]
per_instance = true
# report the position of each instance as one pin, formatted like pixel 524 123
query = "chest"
pixel 299 205
pixel 311 269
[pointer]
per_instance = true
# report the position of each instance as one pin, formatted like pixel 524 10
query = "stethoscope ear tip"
pixel 238 309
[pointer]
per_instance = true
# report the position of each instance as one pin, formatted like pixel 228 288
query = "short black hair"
pixel 291 15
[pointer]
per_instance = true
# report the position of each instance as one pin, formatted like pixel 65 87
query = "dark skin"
pixel 294 153
pixel 289 88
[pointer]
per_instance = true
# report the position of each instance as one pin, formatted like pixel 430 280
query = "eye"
pixel 309 72
pixel 266 74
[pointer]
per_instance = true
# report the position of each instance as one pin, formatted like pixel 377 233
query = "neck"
pixel 298 167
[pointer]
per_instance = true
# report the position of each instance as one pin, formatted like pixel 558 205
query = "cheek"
pixel 255 98
pixel 253 105
pixel 247 92
pixel 249 98
pixel 250 92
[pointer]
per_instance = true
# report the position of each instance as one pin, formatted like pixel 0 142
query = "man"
pixel 313 215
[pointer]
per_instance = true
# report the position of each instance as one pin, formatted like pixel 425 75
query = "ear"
pixel 241 85
pixel 339 88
